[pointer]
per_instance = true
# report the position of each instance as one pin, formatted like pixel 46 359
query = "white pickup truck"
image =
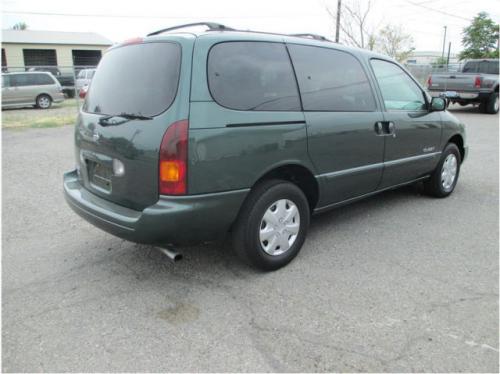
pixel 477 83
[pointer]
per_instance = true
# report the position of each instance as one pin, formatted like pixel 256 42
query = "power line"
pixel 437 10
pixel 102 15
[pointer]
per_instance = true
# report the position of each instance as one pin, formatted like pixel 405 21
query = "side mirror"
pixel 438 104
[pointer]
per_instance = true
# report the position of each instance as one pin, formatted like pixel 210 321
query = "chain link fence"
pixel 20 92
pixel 422 71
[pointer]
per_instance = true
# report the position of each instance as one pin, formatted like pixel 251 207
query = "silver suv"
pixel 40 89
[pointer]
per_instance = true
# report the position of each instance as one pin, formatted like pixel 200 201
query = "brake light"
pixel 429 81
pixel 477 82
pixel 136 40
pixel 173 159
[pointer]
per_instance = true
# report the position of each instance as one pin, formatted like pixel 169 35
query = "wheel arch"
pixel 458 140
pixel 296 173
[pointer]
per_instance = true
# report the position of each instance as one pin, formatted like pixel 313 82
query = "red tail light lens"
pixel 429 81
pixel 173 159
pixel 477 82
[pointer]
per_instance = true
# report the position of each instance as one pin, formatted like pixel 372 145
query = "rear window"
pixel 252 76
pixel 485 67
pixel 139 79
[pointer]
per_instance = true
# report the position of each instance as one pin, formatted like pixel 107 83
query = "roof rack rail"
pixel 312 36
pixel 211 26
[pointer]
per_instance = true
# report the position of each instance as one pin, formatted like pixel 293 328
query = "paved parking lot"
pixel 398 282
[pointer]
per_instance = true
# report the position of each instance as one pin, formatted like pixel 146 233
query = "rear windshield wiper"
pixel 104 121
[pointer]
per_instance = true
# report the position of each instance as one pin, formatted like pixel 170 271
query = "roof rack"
pixel 312 36
pixel 212 26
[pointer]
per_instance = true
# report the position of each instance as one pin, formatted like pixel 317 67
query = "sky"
pixel 118 20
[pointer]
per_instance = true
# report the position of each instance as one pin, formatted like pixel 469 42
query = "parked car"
pixel 476 84
pixel 83 92
pixel 22 89
pixel 84 78
pixel 249 134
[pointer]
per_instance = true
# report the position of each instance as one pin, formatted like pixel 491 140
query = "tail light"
pixel 477 82
pixel 173 159
pixel 429 81
pixel 83 92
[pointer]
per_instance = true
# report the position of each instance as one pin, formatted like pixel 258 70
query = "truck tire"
pixel 492 104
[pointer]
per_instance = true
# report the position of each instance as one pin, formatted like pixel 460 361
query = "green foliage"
pixel 440 61
pixel 394 42
pixel 480 38
pixel 20 26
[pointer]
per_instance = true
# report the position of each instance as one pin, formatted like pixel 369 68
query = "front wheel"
pixel 444 178
pixel 272 225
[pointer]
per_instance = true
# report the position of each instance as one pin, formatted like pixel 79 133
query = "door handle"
pixel 385 128
pixel 391 129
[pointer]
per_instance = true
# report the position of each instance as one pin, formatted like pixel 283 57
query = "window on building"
pixel 40 57
pixel 4 61
pixel 86 58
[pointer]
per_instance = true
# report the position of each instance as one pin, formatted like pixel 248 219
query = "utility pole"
pixel 444 42
pixel 448 59
pixel 337 29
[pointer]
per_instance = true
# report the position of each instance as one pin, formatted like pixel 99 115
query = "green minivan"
pixel 185 137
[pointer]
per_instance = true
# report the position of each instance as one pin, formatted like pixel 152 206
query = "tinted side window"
pixel 5 81
pixel 252 76
pixel 20 80
pixel 331 80
pixel 399 91
pixel 43 79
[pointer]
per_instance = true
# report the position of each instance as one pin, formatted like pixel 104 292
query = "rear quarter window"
pixel 42 79
pixel 252 76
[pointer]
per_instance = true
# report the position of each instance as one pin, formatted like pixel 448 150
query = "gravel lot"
pixel 398 282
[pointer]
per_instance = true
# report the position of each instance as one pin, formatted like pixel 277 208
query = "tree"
pixel 480 38
pixel 440 61
pixel 20 26
pixel 393 42
pixel 354 24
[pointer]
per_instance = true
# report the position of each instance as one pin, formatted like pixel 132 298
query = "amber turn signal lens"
pixel 169 171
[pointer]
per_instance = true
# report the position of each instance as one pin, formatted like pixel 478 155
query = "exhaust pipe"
pixel 170 253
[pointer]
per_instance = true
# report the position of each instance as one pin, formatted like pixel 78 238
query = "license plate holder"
pixel 100 175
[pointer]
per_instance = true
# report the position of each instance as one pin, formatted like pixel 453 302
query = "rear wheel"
pixel 43 101
pixel 444 178
pixel 272 225
pixel 492 104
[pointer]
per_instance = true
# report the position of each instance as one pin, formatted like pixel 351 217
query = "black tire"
pixel 43 101
pixel 246 240
pixel 492 104
pixel 434 185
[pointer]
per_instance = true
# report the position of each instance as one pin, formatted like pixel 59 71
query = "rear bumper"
pixel 172 220
pixel 462 95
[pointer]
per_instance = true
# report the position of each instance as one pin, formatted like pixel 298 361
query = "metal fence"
pixel 422 71
pixel 23 112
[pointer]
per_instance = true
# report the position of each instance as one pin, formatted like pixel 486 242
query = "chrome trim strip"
pixel 410 159
pixel 357 169
pixel 376 166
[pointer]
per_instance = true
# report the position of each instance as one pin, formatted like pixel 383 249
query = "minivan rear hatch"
pixel 134 96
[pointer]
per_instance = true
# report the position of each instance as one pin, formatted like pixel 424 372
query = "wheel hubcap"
pixel 44 102
pixel 279 227
pixel 449 172
pixel 496 104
